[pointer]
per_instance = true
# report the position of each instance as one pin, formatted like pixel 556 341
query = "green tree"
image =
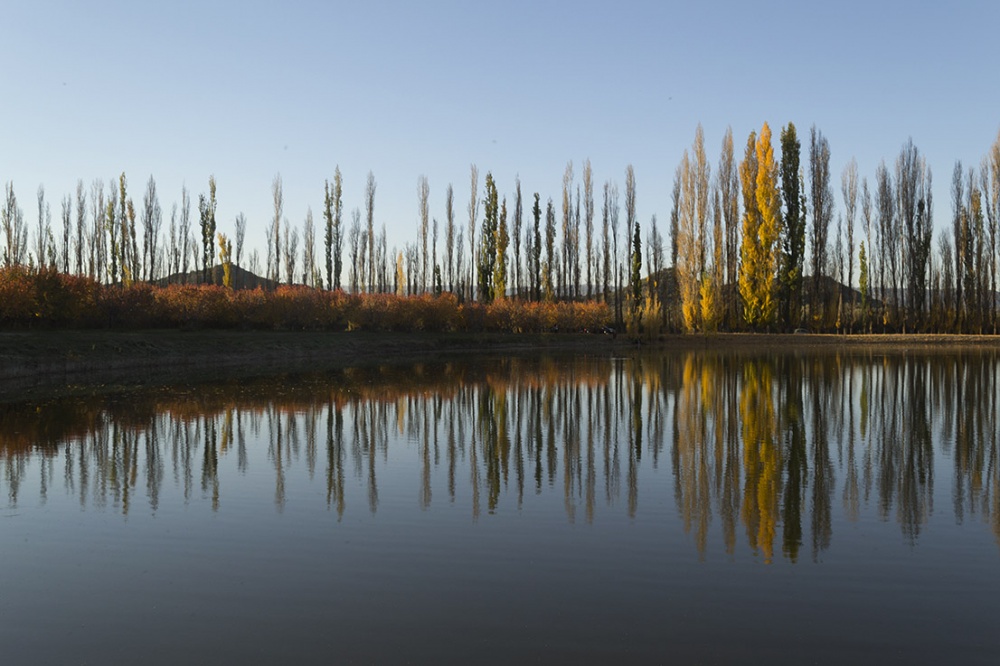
pixel 488 241
pixel 536 251
pixel 793 230
pixel 502 241
pixel 635 272
pixel 206 210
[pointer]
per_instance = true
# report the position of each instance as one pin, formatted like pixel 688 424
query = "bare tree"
pixel 80 246
pixel 449 236
pixel 849 190
pixel 44 233
pixel 675 212
pixel 185 231
pixel 516 236
pixel 354 241
pixel 338 227
pixel 309 270
pixel 290 250
pixel 702 177
pixel 173 251
pixel 822 207
pixel 96 261
pixel 566 255
pixel 274 244
pixel 588 224
pixel 14 231
pixel 241 234
pixel 990 175
pixel 67 227
pixel 459 261
pixel 889 240
pixel 729 194
pixel 152 221
pixel 473 214
pixel 913 207
pixel 686 268
pixel 370 219
pixel 423 193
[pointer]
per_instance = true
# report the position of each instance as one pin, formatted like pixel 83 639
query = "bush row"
pixel 45 298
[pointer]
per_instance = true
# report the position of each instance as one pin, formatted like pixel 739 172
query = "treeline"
pixel 756 245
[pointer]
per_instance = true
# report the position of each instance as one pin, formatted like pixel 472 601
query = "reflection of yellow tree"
pixel 761 457
pixel 692 466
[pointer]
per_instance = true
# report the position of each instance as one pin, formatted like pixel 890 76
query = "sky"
pixel 247 90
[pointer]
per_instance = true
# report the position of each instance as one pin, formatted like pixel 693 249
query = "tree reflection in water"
pixel 765 443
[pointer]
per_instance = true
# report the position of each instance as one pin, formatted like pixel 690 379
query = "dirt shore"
pixel 35 365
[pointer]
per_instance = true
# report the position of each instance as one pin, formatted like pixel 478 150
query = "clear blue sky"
pixel 245 90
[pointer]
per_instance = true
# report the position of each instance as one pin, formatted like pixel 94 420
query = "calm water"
pixel 687 508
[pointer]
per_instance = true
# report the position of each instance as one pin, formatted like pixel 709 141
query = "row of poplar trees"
pixel 753 245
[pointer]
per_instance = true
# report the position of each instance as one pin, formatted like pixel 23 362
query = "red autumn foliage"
pixel 45 298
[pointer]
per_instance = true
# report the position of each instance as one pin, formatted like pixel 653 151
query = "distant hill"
pixel 242 279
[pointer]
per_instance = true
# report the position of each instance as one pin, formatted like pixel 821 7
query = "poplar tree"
pixel 473 214
pixel 686 261
pixel 729 194
pixel 502 242
pixel 550 248
pixel 338 228
pixel 449 236
pixel 822 209
pixel 588 207
pixel 488 242
pixel 536 255
pixel 328 233
pixel 793 230
pixel 274 238
pixel 206 209
pixel 423 193
pixel 635 272
pixel 849 190
pixel 761 226
pixel 370 186
pixel 516 239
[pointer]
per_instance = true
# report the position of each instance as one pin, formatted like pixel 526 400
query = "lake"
pixel 691 507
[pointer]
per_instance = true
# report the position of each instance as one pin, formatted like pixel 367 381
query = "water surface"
pixel 690 507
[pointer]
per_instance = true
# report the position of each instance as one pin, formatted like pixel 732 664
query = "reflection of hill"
pixel 767 446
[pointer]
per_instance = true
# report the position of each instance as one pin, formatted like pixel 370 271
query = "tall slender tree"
pixel 370 186
pixel 502 243
pixel 152 220
pixel 473 215
pixel 80 246
pixel 822 210
pixel 516 238
pixel 423 194
pixel 729 195
pixel 274 242
pixel 793 229
pixel 686 262
pixel 488 241
pixel 761 229
pixel 449 236
pixel 849 191
pixel 588 207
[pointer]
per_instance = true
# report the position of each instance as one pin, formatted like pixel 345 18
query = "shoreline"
pixel 47 364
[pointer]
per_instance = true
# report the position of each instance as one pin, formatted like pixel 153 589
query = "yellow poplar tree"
pixel 225 254
pixel 761 228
